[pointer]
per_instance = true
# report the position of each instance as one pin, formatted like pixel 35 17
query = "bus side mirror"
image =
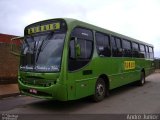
pixel 75 48
pixel 78 50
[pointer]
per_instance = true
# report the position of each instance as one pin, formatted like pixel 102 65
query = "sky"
pixel 139 19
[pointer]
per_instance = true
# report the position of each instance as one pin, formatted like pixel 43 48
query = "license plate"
pixel 33 91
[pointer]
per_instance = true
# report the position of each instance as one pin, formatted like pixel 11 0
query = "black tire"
pixel 142 81
pixel 100 90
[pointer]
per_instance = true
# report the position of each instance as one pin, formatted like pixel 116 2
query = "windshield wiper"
pixel 28 47
pixel 43 44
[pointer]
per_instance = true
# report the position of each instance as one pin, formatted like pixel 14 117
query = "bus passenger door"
pixel 80 64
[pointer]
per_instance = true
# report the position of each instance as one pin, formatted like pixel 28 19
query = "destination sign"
pixel 43 28
pixel 129 65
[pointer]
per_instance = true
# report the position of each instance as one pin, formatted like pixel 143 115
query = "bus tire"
pixel 142 81
pixel 100 90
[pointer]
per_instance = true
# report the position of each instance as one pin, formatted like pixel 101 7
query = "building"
pixel 6 39
pixel 8 62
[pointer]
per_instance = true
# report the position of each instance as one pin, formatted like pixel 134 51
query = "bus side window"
pixel 116 47
pixel 151 55
pixel 135 50
pixel 72 53
pixel 147 52
pixel 142 51
pixel 127 51
pixel 119 47
pixel 83 39
pixel 113 44
pixel 103 45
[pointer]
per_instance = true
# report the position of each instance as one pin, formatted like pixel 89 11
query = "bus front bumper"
pixel 55 92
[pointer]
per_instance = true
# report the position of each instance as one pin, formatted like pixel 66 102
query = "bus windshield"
pixel 42 53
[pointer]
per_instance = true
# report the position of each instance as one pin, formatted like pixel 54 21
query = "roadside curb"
pixel 9 95
pixel 9 90
pixel 157 71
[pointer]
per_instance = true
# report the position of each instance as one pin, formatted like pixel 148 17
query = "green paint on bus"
pixel 75 59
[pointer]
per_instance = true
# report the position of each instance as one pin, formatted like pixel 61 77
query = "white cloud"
pixel 135 18
pixel 34 16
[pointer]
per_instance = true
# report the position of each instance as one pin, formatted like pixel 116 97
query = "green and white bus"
pixel 67 59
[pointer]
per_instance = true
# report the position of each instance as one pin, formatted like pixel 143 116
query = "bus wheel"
pixel 100 90
pixel 141 82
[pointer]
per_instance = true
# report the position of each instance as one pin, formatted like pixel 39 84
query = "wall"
pixel 8 62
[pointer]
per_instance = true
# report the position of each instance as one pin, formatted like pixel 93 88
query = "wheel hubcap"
pixel 100 89
pixel 142 80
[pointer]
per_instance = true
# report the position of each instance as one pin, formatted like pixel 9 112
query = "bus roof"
pixel 75 22
pixel 96 28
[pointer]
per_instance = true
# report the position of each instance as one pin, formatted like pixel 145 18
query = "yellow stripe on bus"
pixel 129 65
pixel 42 28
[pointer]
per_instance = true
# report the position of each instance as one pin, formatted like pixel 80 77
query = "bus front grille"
pixel 37 82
